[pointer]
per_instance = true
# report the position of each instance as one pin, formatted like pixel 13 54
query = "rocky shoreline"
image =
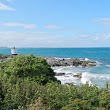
pixel 70 62
pixel 77 75
pixel 56 62
pixel 60 61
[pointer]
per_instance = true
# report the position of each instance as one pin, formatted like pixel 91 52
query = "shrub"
pixel 30 67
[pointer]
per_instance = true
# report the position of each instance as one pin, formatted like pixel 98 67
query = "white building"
pixel 13 51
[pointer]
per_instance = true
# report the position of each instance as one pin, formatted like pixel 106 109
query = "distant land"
pixel 3 47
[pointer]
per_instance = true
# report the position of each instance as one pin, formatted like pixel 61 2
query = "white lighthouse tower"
pixel 13 51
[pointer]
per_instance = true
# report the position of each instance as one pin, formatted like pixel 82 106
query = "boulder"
pixel 60 74
pixel 78 75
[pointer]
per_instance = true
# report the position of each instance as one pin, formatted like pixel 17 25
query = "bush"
pixel 17 93
pixel 27 83
pixel 30 67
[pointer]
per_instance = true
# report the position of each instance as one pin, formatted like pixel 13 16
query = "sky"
pixel 55 23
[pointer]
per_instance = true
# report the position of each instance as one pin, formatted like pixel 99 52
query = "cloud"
pixel 27 39
pixel 102 37
pixel 44 39
pixel 103 21
pixel 61 28
pixel 6 7
pixel 53 27
pixel 93 38
pixel 14 24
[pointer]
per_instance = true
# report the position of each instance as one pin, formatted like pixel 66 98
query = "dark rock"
pixel 70 84
pixel 91 64
pixel 60 74
pixel 70 62
pixel 78 75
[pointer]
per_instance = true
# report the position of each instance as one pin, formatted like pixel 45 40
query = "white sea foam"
pixel 58 58
pixel 91 78
pixel 63 69
pixel 61 58
pixel 68 79
pixel 86 78
pixel 108 65
pixel 86 59
pixel 98 63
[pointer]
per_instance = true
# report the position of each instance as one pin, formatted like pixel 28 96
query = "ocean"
pixel 98 75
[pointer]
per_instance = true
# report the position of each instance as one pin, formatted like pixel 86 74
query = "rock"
pixel 60 74
pixel 91 64
pixel 69 74
pixel 70 84
pixel 4 58
pixel 84 64
pixel 78 75
pixel 1 60
pixel 70 62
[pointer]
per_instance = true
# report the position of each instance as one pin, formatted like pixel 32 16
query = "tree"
pixel 30 67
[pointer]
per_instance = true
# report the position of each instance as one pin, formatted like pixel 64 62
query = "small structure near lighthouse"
pixel 13 51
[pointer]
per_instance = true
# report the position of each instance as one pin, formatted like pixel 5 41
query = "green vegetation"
pixel 28 83
pixel 3 56
pixel 29 67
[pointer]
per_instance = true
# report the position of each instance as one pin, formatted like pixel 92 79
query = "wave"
pixel 98 63
pixel 86 78
pixel 68 79
pixel 86 59
pixel 63 69
pixel 108 65
pixel 90 77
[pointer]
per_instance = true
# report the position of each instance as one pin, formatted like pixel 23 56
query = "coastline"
pixel 56 62
pixel 84 62
pixel 67 77
pixel 76 70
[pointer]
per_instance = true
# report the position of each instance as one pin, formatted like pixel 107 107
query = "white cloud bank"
pixel 14 24
pixel 104 21
pixel 62 28
pixel 6 7
pixel 25 39
pixel 42 39
pixel 53 27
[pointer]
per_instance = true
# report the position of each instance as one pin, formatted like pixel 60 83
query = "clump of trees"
pixel 30 67
pixel 29 83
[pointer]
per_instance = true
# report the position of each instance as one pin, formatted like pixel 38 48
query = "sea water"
pixel 98 75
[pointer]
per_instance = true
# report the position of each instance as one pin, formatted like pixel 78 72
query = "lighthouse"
pixel 13 51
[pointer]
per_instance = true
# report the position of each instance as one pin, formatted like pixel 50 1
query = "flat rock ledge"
pixel 60 61
pixel 70 62
pixel 77 75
